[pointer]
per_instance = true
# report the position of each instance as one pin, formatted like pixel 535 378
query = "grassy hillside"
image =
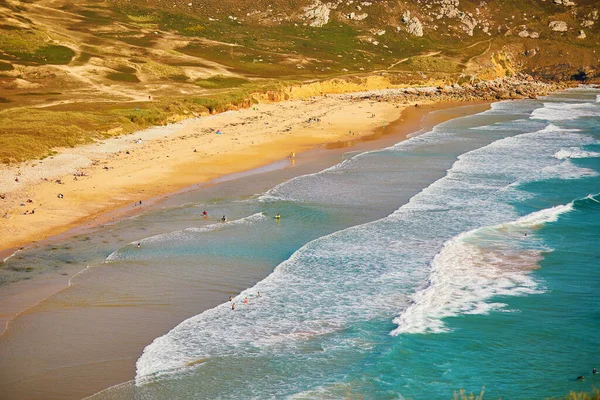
pixel 74 71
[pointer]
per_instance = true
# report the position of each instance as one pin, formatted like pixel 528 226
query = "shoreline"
pixel 107 177
pixel 23 293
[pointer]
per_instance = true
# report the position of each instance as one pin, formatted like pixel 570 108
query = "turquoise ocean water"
pixel 488 276
pixel 465 257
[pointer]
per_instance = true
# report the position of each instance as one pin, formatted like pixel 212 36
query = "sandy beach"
pixel 83 184
pixel 164 162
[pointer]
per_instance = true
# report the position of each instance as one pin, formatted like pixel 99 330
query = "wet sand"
pixel 87 337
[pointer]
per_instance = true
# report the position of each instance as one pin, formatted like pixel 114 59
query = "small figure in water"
pixel 139 245
pixel 580 378
pixel 525 234
pixel 230 298
pixel 246 301
pixel 278 217
pixel 224 219
pixel 260 295
pixel 205 213
pixel 233 306
pixel 594 371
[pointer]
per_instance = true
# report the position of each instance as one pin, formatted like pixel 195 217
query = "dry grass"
pixel 593 395
pixel 462 395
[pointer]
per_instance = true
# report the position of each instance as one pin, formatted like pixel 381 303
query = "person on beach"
pixel 224 219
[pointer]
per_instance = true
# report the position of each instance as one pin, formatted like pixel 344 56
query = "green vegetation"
pixel 122 77
pixel 6 66
pixel 30 46
pixel 593 395
pixel 462 395
pixel 432 64
pixel 221 82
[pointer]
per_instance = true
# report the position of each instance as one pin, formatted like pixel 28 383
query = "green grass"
pixel 221 82
pixel 6 66
pixel 431 64
pixel 122 77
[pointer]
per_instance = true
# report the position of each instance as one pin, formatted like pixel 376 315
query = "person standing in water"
pixel 278 217
pixel 233 306
pixel 224 219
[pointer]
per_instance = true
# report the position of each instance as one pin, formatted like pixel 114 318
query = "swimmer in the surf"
pixel 246 301
pixel 230 298
pixel 277 217
pixel 233 306
pixel 139 245
pixel 260 295
pixel 224 219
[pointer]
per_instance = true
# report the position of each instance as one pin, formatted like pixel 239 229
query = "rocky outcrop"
pixel 519 87
pixel 412 24
pixel 566 3
pixel 558 26
pixel 318 13
pixel 357 17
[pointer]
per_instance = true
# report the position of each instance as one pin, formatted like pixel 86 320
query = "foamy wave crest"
pixel 566 170
pixel 565 111
pixel 476 266
pixel 575 152
pixel 335 285
pixel 184 234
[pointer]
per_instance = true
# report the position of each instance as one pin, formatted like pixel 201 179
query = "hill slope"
pixel 115 66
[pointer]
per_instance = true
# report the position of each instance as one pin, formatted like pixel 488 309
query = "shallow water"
pixel 461 258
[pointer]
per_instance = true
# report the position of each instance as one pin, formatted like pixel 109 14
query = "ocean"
pixel 465 257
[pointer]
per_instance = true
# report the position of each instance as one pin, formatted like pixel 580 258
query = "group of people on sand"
pixel 246 301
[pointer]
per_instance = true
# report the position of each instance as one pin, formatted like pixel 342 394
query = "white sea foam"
pixel 369 271
pixel 474 267
pixel 552 111
pixel 575 152
pixel 566 170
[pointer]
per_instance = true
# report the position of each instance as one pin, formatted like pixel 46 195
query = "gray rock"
pixel 558 26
